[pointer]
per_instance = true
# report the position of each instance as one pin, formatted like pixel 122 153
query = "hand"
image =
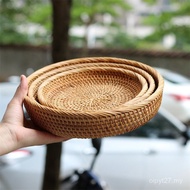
pixel 13 133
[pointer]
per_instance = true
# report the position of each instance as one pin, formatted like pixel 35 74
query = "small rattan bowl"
pixel 93 97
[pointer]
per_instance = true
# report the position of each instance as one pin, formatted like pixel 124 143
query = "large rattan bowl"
pixel 93 97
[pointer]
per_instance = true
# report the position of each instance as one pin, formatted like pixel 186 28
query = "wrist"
pixel 8 139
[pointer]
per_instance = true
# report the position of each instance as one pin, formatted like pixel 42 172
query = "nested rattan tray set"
pixel 93 97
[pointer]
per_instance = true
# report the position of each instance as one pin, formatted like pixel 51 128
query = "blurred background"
pixel 155 32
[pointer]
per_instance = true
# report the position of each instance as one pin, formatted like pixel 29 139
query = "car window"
pixel 158 127
pixel 176 78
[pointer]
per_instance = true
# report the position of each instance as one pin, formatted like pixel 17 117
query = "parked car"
pixel 155 156
pixel 176 97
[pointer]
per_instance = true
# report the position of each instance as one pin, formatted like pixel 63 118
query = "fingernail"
pixel 21 78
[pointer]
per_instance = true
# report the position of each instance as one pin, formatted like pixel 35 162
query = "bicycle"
pixel 85 180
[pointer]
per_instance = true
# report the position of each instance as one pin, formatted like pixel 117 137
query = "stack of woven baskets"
pixel 93 97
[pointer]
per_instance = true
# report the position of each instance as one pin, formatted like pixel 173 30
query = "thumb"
pixel 21 91
pixel 14 108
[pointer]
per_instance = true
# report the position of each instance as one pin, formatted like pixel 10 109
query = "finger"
pixel 21 90
pixel 37 137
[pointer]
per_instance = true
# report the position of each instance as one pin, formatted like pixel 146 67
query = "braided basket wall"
pixel 93 97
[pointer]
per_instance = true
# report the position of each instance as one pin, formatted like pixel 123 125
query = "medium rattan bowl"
pixel 93 97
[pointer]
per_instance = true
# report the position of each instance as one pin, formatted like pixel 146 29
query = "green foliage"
pixel 166 23
pixel 87 11
pixel 19 18
pixel 42 15
pixel 120 40
pixel 12 37
pixel 150 2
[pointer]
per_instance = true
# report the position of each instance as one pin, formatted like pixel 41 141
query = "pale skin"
pixel 15 131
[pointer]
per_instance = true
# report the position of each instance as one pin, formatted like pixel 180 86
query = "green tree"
pixel 20 19
pixel 171 22
pixel 120 39
pixel 60 39
pixel 88 12
pixel 17 17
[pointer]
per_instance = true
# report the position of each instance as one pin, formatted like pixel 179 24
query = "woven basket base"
pixel 90 89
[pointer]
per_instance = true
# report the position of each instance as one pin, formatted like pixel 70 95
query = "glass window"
pixel 175 77
pixel 158 127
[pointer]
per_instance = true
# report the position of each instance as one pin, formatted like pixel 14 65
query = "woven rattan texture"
pixel 93 97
